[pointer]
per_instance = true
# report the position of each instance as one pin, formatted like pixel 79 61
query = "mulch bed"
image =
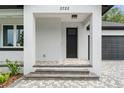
pixel 10 80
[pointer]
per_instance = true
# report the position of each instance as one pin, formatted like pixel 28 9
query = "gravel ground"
pixel 112 77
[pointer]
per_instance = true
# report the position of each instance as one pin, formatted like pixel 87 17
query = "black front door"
pixel 71 42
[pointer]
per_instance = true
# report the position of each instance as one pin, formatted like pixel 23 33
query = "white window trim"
pixel 14 40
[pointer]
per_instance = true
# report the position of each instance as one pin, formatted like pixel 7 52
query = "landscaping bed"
pixel 10 80
pixel 12 75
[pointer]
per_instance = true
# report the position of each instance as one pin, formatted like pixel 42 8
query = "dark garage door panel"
pixel 113 47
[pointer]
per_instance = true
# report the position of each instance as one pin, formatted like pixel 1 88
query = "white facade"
pixel 56 46
pixel 45 34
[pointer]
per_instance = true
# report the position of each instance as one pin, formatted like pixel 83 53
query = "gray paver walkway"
pixel 112 77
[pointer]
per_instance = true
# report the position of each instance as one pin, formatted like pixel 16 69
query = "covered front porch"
pixel 60 38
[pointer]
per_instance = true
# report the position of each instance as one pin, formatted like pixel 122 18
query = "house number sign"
pixel 65 8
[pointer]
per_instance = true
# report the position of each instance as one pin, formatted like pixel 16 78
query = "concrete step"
pixel 36 76
pixel 60 71
pixel 78 69
pixel 67 65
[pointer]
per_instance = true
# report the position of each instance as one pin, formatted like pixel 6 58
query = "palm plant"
pixel 13 67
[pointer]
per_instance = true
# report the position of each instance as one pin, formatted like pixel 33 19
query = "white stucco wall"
pixel 113 32
pixel 11 20
pixel 48 39
pixel 12 55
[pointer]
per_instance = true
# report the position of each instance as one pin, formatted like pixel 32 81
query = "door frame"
pixel 66 41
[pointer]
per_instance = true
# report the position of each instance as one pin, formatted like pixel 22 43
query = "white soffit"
pixel 65 17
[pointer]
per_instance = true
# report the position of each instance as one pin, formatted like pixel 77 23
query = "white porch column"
pixel 95 40
pixel 29 40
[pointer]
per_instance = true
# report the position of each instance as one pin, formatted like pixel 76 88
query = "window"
pixel 8 35
pixel 12 35
pixel 19 35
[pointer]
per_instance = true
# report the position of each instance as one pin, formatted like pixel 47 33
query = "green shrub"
pixel 7 75
pixel 4 77
pixel 13 67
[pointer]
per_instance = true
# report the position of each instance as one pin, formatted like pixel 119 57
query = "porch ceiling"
pixel 65 17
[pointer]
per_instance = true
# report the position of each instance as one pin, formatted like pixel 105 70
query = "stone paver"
pixel 112 77
pixel 64 62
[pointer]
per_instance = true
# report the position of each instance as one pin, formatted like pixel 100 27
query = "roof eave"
pixel 105 8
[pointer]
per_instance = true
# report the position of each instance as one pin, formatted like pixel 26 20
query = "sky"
pixel 121 7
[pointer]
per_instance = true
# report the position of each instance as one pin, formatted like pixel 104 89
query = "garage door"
pixel 112 48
